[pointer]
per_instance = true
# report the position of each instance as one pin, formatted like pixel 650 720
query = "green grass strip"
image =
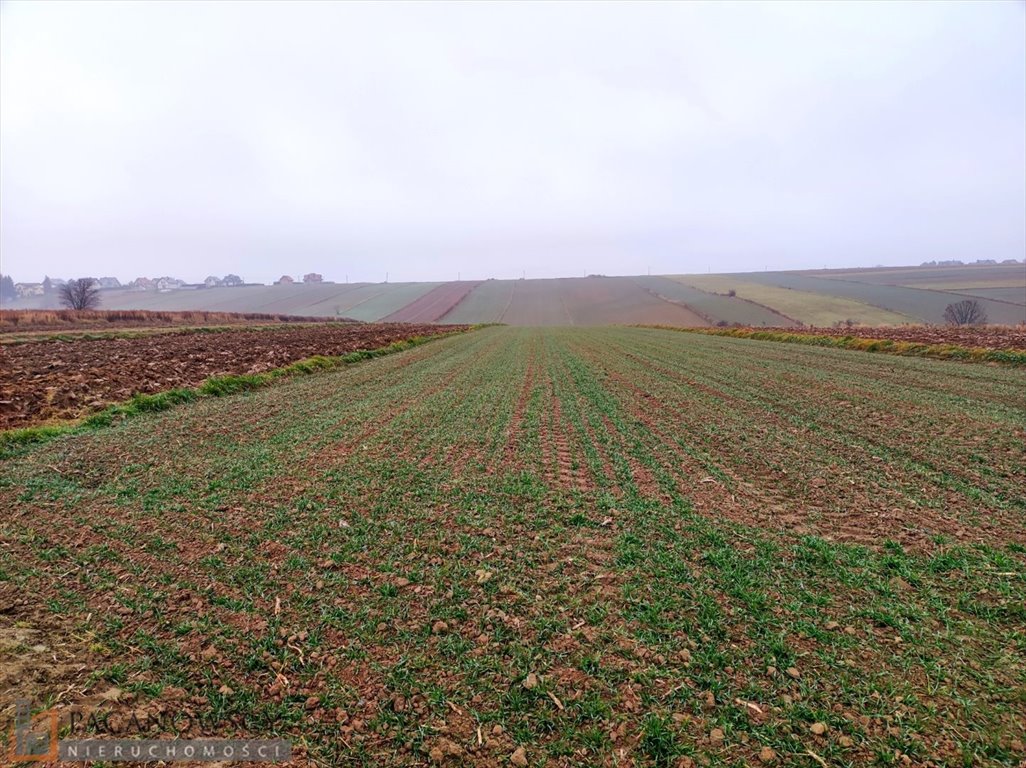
pixel 217 386
pixel 890 346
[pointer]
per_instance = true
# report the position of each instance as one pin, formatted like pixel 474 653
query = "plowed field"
pixel 57 379
pixel 1011 337
pixel 16 322
pixel 556 547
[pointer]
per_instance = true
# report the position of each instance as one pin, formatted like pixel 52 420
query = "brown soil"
pixel 60 320
pixel 1010 337
pixel 51 380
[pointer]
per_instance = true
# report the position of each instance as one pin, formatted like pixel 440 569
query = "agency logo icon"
pixel 35 738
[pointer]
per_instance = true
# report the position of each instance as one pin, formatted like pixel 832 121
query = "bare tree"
pixel 82 293
pixel 968 312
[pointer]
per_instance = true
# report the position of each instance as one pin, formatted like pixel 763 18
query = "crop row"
pixel 595 546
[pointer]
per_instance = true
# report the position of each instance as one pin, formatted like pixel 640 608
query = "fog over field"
pixel 484 140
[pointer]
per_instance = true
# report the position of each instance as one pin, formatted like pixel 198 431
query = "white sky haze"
pixel 487 139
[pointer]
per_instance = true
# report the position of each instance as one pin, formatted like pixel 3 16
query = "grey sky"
pixel 484 139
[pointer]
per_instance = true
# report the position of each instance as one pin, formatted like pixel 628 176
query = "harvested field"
pixel 923 306
pixel 1016 295
pixel 819 308
pixel 982 274
pixel 961 286
pixel 57 379
pixel 713 307
pixel 598 546
pixel 433 305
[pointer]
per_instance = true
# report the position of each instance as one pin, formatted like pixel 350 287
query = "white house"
pixel 28 289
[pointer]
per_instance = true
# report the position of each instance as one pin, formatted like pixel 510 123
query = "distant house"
pixel 986 261
pixel 313 277
pixel 141 284
pixel 28 289
pixel 108 282
pixel 164 284
pixel 1011 261
pixel 284 280
pixel 213 282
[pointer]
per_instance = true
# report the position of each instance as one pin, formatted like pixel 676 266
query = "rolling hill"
pixel 881 296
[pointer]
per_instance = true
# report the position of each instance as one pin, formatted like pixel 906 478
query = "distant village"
pixel 957 263
pixel 11 290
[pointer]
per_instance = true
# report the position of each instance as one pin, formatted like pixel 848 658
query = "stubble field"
pixel 546 547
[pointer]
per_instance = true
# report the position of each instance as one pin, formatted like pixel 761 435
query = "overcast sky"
pixel 487 139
